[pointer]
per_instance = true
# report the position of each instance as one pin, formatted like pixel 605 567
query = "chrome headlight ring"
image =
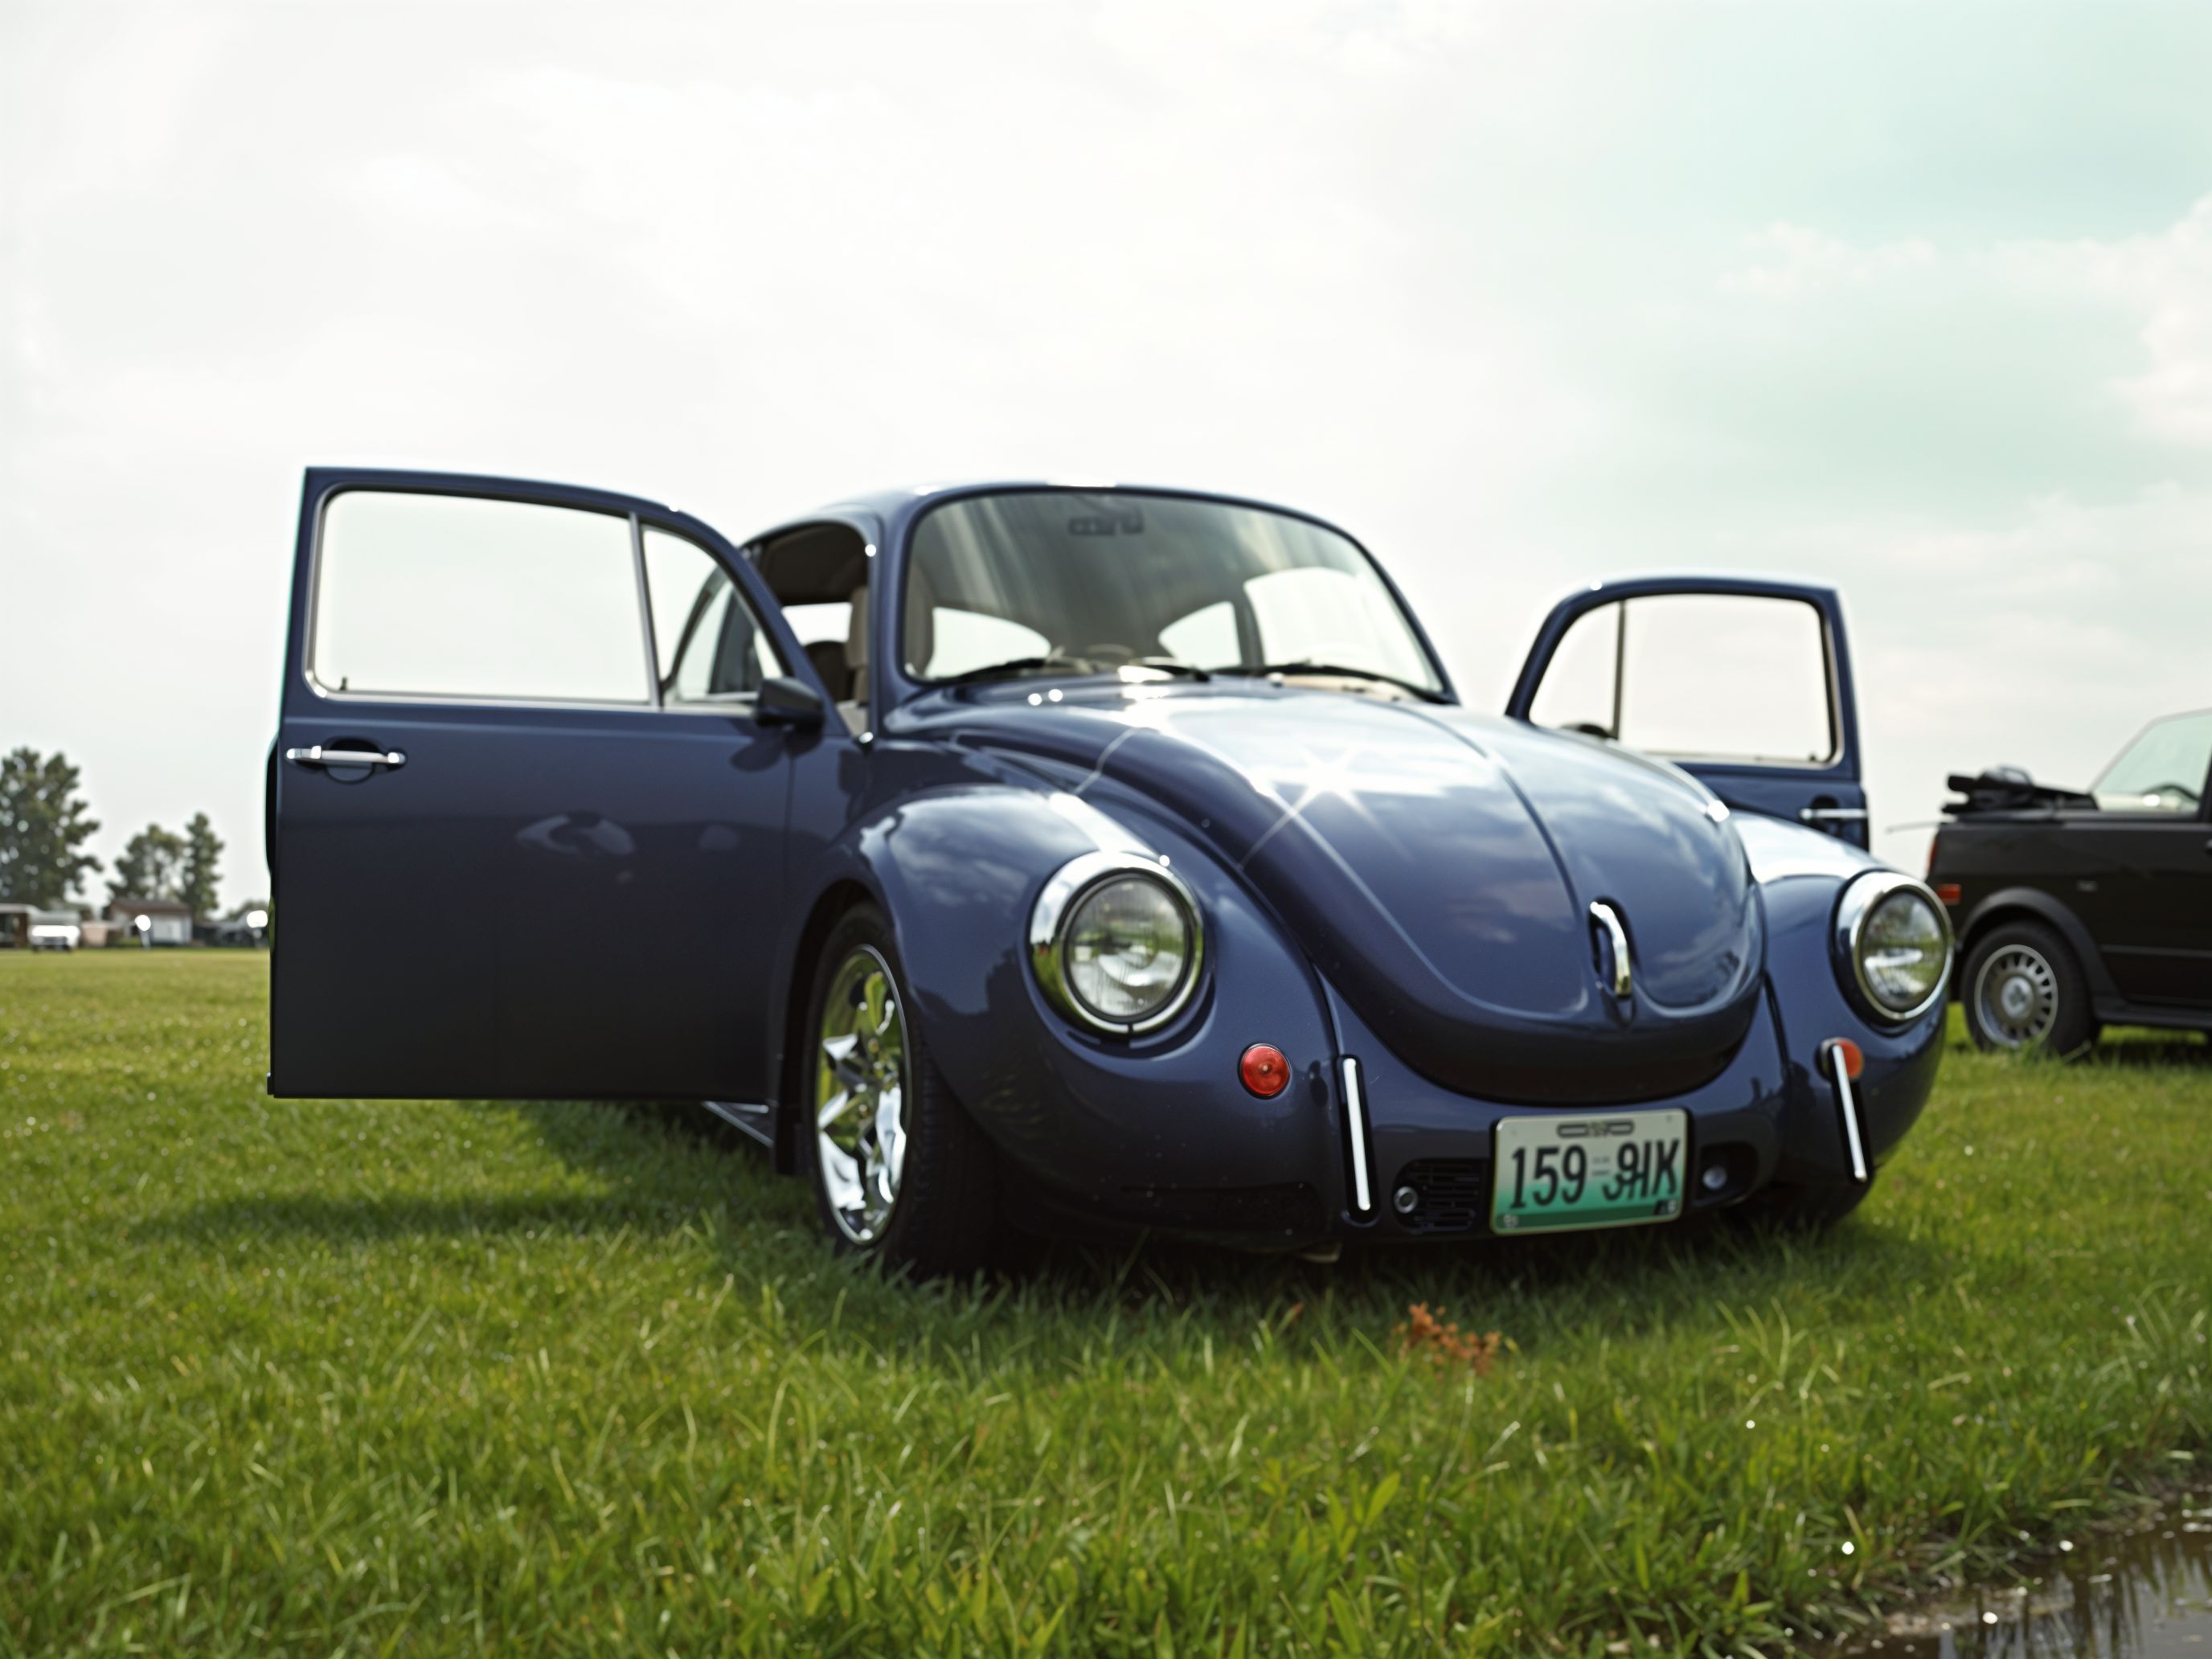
pixel 1862 897
pixel 1057 905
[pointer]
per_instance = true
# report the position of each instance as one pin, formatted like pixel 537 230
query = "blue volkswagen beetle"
pixel 1085 858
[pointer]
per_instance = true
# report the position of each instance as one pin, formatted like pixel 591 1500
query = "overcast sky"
pixel 1913 299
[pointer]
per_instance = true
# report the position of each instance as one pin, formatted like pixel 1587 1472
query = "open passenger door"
pixel 1746 683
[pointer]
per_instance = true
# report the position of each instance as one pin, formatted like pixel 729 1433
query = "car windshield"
pixel 2163 770
pixel 1071 582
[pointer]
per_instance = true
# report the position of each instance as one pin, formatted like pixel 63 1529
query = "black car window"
pixel 2163 770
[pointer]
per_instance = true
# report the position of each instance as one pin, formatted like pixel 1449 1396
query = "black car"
pixel 2078 910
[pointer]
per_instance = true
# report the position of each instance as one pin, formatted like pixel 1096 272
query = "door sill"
pixel 2117 1010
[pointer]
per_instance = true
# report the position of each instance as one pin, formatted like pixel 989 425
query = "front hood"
pixel 1439 866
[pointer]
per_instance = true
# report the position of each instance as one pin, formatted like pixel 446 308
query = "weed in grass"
pixel 452 1377
pixel 1425 1336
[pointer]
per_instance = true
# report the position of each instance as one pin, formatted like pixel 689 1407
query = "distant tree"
pixel 42 825
pixel 152 865
pixel 203 859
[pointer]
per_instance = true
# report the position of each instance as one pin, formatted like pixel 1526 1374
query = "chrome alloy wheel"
pixel 860 1094
pixel 2017 994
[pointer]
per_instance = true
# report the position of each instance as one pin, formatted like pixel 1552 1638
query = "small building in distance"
pixel 168 922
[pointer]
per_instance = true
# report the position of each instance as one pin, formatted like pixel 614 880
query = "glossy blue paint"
pixel 1436 866
pixel 543 900
pixel 1785 792
pixel 621 903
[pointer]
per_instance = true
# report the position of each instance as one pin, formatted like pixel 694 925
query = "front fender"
pixel 947 868
pixel 1111 1123
pixel 1811 1007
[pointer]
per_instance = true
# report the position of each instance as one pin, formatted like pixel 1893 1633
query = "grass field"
pixel 298 1377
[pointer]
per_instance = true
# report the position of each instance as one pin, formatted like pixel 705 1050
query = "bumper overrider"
pixel 1113 1124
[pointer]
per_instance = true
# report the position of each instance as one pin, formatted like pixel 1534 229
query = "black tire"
pixel 941 1220
pixel 2023 989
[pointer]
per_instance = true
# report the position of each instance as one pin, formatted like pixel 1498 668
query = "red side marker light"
pixel 1854 1061
pixel 1264 1070
pixel 1948 891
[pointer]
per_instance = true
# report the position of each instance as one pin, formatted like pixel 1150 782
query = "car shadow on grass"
pixel 674 1172
pixel 1632 1277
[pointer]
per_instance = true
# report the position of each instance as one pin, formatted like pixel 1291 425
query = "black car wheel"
pixel 901 1173
pixel 2023 988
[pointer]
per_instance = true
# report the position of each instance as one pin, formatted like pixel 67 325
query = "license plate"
pixel 1617 1171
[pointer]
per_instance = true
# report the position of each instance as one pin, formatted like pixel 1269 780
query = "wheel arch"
pixel 2032 904
pixel 830 907
pixel 935 863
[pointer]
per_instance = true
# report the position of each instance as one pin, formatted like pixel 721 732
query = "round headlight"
pixel 1114 940
pixel 1898 940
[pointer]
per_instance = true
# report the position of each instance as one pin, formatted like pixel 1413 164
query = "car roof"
pixel 893 506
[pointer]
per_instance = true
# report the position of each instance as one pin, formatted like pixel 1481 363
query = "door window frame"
pixel 1831 713
pixel 1842 764
pixel 639 516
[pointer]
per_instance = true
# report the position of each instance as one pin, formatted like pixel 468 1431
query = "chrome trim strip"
pixel 1832 815
pixel 1355 1121
pixel 1624 973
pixel 1860 896
pixel 1057 900
pixel 756 1119
pixel 1847 1106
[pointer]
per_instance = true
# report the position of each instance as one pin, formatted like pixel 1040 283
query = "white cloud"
pixel 1446 272
pixel 2166 279
pixel 2044 641
pixel 1793 261
pixel 2161 280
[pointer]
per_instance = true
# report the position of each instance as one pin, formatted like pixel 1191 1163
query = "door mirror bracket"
pixel 783 701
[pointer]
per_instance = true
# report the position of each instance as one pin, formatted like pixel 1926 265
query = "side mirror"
pixel 786 702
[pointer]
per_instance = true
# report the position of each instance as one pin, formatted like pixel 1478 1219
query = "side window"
pixel 2163 770
pixel 826 624
pixel 1697 677
pixel 709 646
pixel 456 596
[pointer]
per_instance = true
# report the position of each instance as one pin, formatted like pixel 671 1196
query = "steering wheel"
pixel 2181 789
pixel 1107 654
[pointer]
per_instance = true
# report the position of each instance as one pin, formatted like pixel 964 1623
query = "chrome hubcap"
pixel 2017 995
pixel 859 1096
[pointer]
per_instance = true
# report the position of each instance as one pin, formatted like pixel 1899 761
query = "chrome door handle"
pixel 318 755
pixel 1831 815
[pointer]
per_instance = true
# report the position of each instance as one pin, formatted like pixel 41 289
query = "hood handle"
pixel 1606 920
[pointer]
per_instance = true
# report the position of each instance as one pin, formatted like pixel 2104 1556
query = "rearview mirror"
pixel 786 702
